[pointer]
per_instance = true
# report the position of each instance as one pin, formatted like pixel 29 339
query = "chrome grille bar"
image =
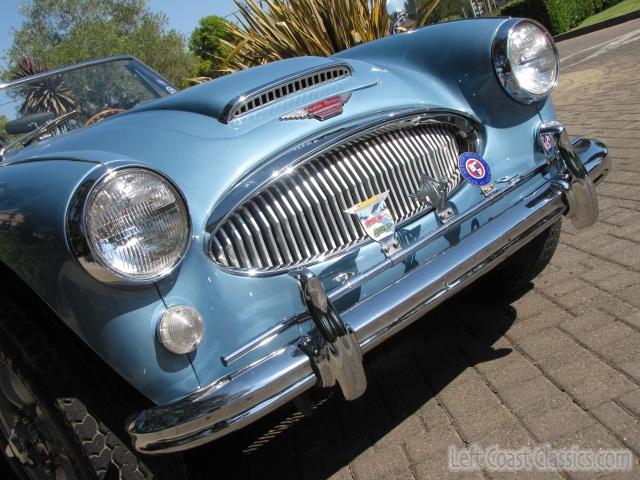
pixel 300 217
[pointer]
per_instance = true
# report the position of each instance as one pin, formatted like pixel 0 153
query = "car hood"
pixel 182 136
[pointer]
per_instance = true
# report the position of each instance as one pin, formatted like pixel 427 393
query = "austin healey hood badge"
pixel 321 110
pixel 376 219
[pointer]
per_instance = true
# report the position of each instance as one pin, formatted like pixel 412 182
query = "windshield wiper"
pixel 41 130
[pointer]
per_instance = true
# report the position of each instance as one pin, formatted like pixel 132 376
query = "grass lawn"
pixel 621 8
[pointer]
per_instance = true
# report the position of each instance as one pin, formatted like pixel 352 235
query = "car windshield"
pixel 56 102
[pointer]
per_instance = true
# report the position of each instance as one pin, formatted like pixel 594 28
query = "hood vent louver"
pixel 281 89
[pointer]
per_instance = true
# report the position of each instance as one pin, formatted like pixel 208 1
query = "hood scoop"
pixel 269 94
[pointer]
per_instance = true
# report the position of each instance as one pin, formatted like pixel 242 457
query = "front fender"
pixel 118 324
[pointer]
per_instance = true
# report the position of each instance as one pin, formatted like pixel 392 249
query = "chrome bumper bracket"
pixel 332 348
pixel 569 174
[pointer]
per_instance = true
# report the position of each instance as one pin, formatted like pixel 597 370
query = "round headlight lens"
pixel 526 61
pixel 136 224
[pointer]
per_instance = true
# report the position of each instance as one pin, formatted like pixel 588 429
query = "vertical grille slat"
pixel 301 217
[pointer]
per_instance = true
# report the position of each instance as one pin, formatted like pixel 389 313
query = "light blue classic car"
pixel 177 265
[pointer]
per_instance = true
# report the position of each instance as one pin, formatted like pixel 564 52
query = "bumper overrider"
pixel 332 354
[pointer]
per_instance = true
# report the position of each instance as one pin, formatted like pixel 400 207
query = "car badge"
pixel 376 219
pixel 321 110
pixel 476 171
pixel 548 142
pixel 433 194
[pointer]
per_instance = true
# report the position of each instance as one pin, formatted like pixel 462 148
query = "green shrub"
pixel 566 14
pixel 535 9
pixel 557 15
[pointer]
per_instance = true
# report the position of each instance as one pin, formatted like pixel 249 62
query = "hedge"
pixel 557 15
pixel 535 9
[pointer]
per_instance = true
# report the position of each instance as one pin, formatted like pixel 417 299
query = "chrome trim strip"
pixel 260 340
pixel 233 109
pixel 240 398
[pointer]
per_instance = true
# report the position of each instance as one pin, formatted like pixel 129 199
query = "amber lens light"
pixel 181 329
pixel 533 59
pixel 137 224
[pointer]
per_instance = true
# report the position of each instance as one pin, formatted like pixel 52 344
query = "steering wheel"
pixel 102 115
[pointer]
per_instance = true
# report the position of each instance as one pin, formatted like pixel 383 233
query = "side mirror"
pixel 28 123
pixel 403 13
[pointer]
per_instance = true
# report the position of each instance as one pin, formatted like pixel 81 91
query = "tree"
pixel 271 30
pixel 206 43
pixel 59 32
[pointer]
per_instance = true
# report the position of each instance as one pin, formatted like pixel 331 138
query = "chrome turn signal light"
pixel 181 329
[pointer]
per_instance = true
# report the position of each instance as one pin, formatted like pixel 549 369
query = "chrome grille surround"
pixel 295 215
pixel 274 92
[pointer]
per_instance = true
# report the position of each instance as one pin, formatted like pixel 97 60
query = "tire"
pixel 514 275
pixel 72 406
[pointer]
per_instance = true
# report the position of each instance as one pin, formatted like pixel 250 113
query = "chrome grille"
pixel 300 217
pixel 278 91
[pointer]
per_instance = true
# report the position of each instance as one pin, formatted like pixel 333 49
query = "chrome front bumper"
pixel 333 353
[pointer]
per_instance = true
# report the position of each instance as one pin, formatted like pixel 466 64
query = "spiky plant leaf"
pixel 48 94
pixel 271 30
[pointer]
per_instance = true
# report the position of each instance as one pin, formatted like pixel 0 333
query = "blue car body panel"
pixel 445 66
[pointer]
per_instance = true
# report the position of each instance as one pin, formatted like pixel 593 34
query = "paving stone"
pixel 546 343
pixel 633 319
pixel 531 304
pixel 537 323
pixel 585 322
pixel 539 389
pixel 432 443
pixel 535 475
pixel 601 385
pixel 624 425
pixel 595 437
pixel 437 468
pixel 343 474
pixel 604 335
pixel 631 401
pixel 382 463
pixel 549 423
pixel 624 350
pixel 509 434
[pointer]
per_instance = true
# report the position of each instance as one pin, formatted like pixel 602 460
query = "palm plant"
pixel 48 94
pixel 271 30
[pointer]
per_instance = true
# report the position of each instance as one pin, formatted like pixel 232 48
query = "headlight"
pixel 526 60
pixel 136 226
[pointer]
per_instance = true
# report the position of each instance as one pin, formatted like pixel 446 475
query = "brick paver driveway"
pixel 560 364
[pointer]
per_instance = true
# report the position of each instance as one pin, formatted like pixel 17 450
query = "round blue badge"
pixel 474 169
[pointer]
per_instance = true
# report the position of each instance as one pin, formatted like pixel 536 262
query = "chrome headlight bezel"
pixel 78 238
pixel 503 67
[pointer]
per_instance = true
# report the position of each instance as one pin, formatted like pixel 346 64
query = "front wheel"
pixel 516 272
pixel 62 410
